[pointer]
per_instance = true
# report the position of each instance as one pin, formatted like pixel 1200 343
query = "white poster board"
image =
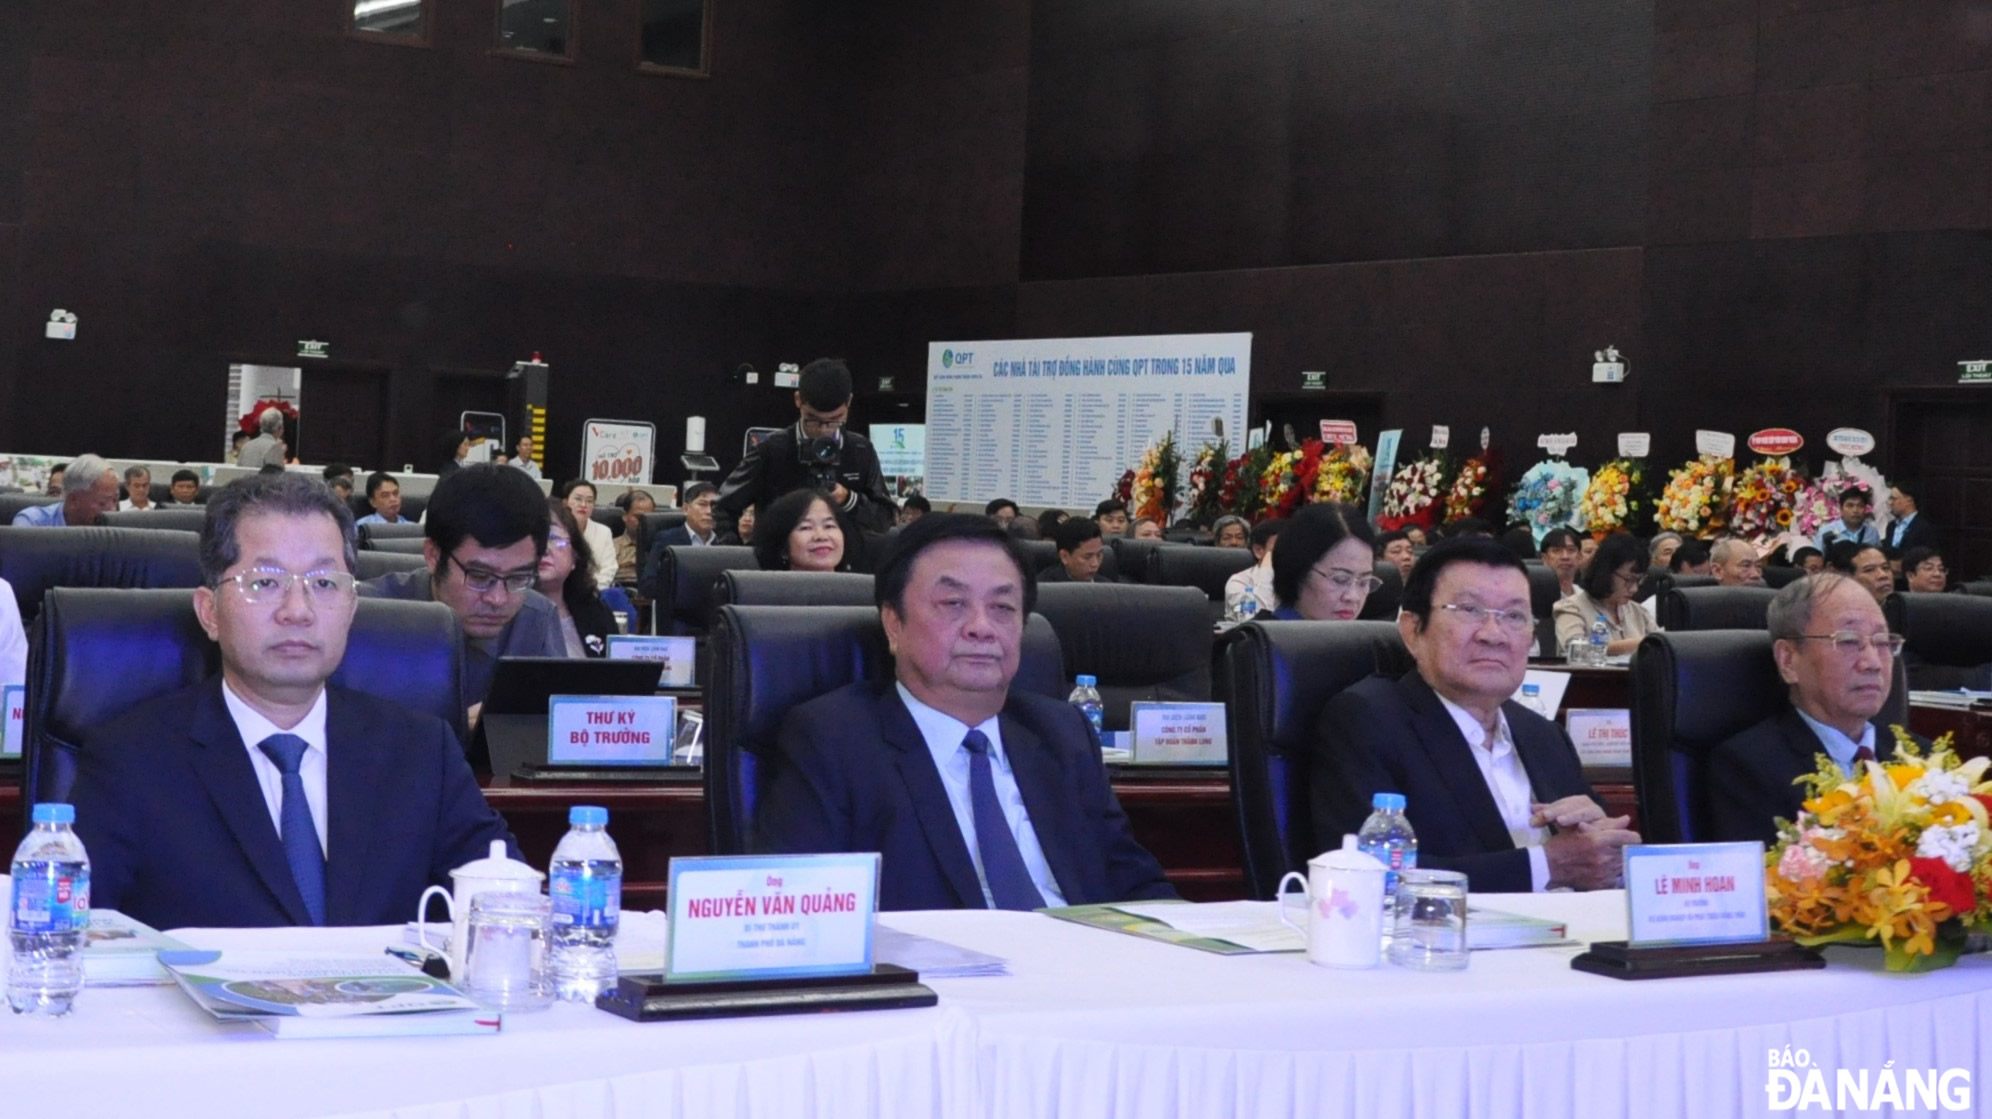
pixel 1055 421
pixel 902 449
pixel 618 452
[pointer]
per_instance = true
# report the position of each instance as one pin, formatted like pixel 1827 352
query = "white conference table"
pixel 1088 1024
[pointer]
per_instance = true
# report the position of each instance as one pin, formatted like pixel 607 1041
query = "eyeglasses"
pixel 260 585
pixel 1342 579
pixel 1848 643
pixel 484 582
pixel 1510 621
pixel 553 544
pixel 822 426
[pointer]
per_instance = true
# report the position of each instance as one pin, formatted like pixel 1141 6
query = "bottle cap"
pixel 1388 802
pixel 49 812
pixel 1086 681
pixel 590 814
pixel 1531 689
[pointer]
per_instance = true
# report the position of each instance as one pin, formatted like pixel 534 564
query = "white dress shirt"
pixel 1257 581
pixel 254 728
pixel 943 734
pixel 1501 767
pixel 602 546
pixel 1838 746
pixel 125 506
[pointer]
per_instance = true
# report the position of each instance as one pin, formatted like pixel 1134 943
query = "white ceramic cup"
pixel 1344 895
pixel 496 872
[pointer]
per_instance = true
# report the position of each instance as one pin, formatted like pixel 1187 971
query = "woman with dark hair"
pixel 586 622
pixel 1325 566
pixel 803 531
pixel 1605 591
pixel 451 447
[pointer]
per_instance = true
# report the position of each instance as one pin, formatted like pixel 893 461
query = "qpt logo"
pixel 953 358
pixel 1795 1085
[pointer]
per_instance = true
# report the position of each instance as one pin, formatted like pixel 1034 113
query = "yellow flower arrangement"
pixel 1696 498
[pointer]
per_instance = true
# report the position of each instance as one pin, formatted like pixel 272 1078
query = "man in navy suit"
pixel 265 797
pixel 696 532
pixel 1492 788
pixel 977 797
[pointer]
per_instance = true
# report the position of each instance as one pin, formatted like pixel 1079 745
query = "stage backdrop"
pixel 1054 421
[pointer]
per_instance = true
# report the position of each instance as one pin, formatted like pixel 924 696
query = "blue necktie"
pixel 299 834
pixel 1002 864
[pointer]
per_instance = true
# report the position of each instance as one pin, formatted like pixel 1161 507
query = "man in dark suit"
pixel 696 532
pixel 1082 551
pixel 976 796
pixel 1492 788
pixel 265 797
pixel 1835 653
pixel 1910 528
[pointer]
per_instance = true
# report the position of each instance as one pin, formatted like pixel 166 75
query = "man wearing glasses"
pixel 1837 657
pixel 1493 789
pixel 264 796
pixel 483 537
pixel 820 452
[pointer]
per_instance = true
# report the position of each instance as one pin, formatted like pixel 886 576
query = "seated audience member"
pixel 975 796
pixel 1735 563
pixel 1837 658
pixel 452 447
pixel 1910 528
pixel 1002 511
pixel 1560 552
pixel 523 460
pixel 185 486
pixel 1418 541
pixel 384 494
pixel 89 487
pixel 1048 522
pixel 236 441
pixel 804 533
pixel 1256 580
pixel 1147 528
pixel 264 796
pixel 267 448
pixel 1080 545
pixel 483 539
pixel 1587 546
pixel 1325 567
pixel 1924 570
pixel 1809 560
pixel 1231 531
pixel 138 490
pixel 586 622
pixel 1493 789
pixel 1661 551
pixel 339 479
pixel 1691 558
pixel 634 504
pixel 1111 516
pixel 580 497
pixel 743 528
pixel 1520 540
pixel 913 508
pixel 1606 592
pixel 13 638
pixel 696 532
pixel 1868 565
pixel 1853 524
pixel 1395 548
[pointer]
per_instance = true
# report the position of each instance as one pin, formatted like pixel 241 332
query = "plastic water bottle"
pixel 1601 636
pixel 1532 699
pixel 1387 837
pixel 586 883
pixel 1086 697
pixel 50 914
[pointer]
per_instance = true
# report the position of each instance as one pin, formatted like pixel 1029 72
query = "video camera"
pixel 823 456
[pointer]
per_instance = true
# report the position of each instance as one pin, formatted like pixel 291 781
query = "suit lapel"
pixel 353 776
pixel 930 800
pixel 1529 748
pixel 1452 759
pixel 1043 783
pixel 223 765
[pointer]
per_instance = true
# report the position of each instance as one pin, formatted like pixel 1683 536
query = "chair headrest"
pixel 1383 602
pixel 1097 626
pixel 745 587
pixel 373 565
pixel 1132 556
pixel 609 517
pixel 1948 629
pixel 1040 554
pixel 1695 608
pixel 400 530
pixel 1206 569
pixel 1303 665
pixel 1705 686
pixel 13 503
pixel 661 521
pixel 37 559
pixel 173 520
pixel 1544 590
pixel 686 577
pixel 1776 576
pixel 405 545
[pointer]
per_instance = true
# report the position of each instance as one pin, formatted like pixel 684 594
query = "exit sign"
pixel 1974 372
pixel 314 349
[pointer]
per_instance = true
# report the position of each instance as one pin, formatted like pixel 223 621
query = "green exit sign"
pixel 1974 372
pixel 314 349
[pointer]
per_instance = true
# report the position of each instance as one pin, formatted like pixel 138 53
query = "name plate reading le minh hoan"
pixel 771 916
pixel 1695 893
pixel 1179 734
pixel 674 654
pixel 585 730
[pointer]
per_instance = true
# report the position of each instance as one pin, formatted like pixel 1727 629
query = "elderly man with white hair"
pixel 267 449
pixel 89 487
pixel 1735 563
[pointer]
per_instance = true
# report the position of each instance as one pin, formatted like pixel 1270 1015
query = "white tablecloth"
pixel 1089 1024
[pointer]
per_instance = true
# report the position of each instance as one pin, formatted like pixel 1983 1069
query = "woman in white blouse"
pixel 1605 591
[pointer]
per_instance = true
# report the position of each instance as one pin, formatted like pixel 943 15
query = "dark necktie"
pixel 299 834
pixel 1863 755
pixel 1002 864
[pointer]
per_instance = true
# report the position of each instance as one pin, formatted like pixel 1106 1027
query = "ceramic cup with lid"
pixel 1344 895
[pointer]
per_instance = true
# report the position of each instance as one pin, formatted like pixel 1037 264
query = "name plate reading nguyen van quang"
pixel 771 916
pixel 1695 893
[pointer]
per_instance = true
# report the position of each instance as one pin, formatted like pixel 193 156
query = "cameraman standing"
pixel 817 453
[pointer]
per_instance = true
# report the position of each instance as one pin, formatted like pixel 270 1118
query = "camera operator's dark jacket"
pixel 776 467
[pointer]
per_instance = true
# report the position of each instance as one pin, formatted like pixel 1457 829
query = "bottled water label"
pixel 586 897
pixel 51 898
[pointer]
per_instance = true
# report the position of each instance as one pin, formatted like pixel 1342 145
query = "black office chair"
pixel 1131 556
pixel 1691 691
pixel 1040 554
pixel 648 525
pixel 1544 590
pixel 166 520
pixel 609 517
pixel 405 545
pixel 1948 640
pixel 769 659
pixel 1682 609
pixel 97 653
pixel 1776 575
pixel 1141 643
pixel 412 505
pixel 371 535
pixel 685 579
pixel 1384 602
pixel 1982 588
pixel 36 559
pixel 791 588
pixel 1275 678
pixel 1206 569
pixel 373 565
pixel 12 503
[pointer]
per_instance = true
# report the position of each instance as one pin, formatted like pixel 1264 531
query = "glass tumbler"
pixel 505 961
pixel 1431 921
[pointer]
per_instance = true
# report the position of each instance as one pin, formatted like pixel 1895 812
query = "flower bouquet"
pixel 1289 479
pixel 1617 500
pixel 1204 500
pixel 1124 489
pixel 1472 487
pixel 1153 494
pixel 1901 855
pixel 1343 474
pixel 1761 500
pixel 1813 507
pixel 1547 496
pixel 1415 495
pixel 1241 493
pixel 1696 500
pixel 250 420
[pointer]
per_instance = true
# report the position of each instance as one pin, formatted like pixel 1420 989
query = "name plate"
pixel 610 729
pixel 14 704
pixel 1635 444
pixel 1695 893
pixel 1179 734
pixel 676 654
pixel 1720 444
pixel 1603 737
pixel 771 916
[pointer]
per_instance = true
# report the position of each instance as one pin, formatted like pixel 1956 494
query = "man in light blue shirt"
pixel 384 494
pixel 89 487
pixel 1853 524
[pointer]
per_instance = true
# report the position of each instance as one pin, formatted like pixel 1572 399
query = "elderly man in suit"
pixel 263 796
pixel 1493 789
pixel 977 796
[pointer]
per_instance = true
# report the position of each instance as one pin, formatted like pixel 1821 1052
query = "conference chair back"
pixel 1691 691
pixel 1544 590
pixel 1383 602
pixel 167 520
pixel 609 517
pixel 1206 569
pixel 1681 609
pixel 1776 576
pixel 11 504
pixel 1275 678
pixel 1979 587
pixel 97 653
pixel 1141 643
pixel 1948 640
pixel 766 660
pixel 34 560
pixel 648 525
pixel 371 535
pixel 792 588
pixel 685 579
pixel 1131 556
pixel 373 565
pixel 405 545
